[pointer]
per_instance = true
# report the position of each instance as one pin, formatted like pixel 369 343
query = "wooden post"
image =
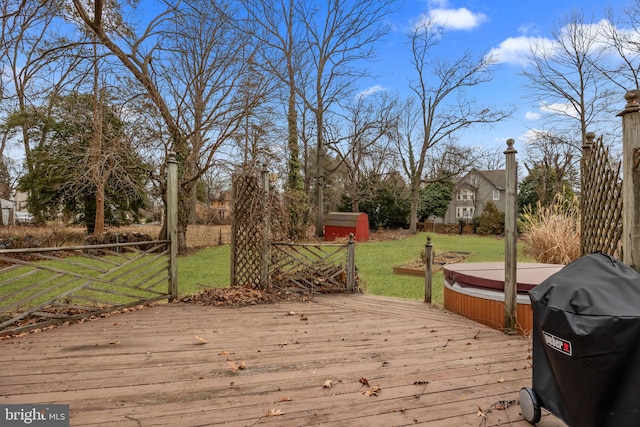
pixel 266 253
pixel 351 263
pixel 587 147
pixel 510 240
pixel 428 268
pixel 631 180
pixel 233 276
pixel 172 223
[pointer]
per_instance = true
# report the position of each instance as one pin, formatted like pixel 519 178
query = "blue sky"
pixel 507 28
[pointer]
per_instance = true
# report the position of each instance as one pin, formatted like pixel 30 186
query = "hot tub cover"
pixel 586 352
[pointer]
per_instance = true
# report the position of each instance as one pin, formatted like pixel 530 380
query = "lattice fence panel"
pixel 249 238
pixel 601 214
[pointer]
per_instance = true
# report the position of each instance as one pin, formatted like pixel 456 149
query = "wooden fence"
pixel 40 287
pixel 44 286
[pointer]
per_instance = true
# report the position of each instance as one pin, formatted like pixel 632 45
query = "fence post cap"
pixel 510 148
pixel 633 102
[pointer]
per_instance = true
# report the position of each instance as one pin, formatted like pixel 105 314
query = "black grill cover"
pixel 586 352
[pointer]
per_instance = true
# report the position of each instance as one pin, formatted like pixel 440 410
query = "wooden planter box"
pixel 414 271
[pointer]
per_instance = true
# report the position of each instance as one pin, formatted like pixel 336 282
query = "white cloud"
pixel 440 14
pixel 516 50
pixel 530 115
pixel 565 109
pixel 370 91
pixel 456 19
pixel 529 29
pixel 530 135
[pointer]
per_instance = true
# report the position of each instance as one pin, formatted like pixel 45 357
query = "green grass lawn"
pixel 375 261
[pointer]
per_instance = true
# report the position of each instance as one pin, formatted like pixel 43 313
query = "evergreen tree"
pixel 60 180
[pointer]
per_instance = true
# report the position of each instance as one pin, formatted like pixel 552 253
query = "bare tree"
pixel 280 33
pixel 338 35
pixel 448 160
pixel 190 60
pixel 553 162
pixel 564 77
pixel 362 138
pixel 625 42
pixel 441 107
pixel 39 63
pixel 492 159
pixel 278 29
pixel 209 75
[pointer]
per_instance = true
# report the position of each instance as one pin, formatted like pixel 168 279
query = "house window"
pixel 496 194
pixel 464 212
pixel 466 195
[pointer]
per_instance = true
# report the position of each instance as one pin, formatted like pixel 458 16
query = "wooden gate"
pixel 601 199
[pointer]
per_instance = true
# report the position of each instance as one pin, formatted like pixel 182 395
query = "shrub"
pixel 551 234
pixel 490 221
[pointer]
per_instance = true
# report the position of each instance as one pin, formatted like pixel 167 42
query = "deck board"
pixel 147 367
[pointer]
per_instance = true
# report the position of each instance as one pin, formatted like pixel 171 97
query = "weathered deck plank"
pixel 147 367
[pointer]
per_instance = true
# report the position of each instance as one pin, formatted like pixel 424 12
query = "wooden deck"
pixel 305 364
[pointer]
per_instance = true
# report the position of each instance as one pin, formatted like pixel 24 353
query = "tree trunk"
pixel 320 171
pixel 98 227
pixel 193 202
pixel 415 200
pixel 96 150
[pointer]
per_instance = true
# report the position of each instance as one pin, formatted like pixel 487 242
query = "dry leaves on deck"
pixel 274 412
pixel 235 366
pixel 240 296
pixel 481 413
pixel 373 391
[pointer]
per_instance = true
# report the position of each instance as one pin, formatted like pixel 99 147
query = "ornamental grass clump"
pixel 551 234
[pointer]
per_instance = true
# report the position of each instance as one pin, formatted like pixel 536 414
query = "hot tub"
pixel 476 290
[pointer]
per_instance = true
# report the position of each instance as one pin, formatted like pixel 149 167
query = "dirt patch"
pixel 416 268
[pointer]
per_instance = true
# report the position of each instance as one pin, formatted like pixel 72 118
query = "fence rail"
pixel 44 286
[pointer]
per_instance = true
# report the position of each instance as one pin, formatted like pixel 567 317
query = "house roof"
pixel 496 178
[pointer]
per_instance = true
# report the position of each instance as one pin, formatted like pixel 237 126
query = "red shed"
pixel 340 224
